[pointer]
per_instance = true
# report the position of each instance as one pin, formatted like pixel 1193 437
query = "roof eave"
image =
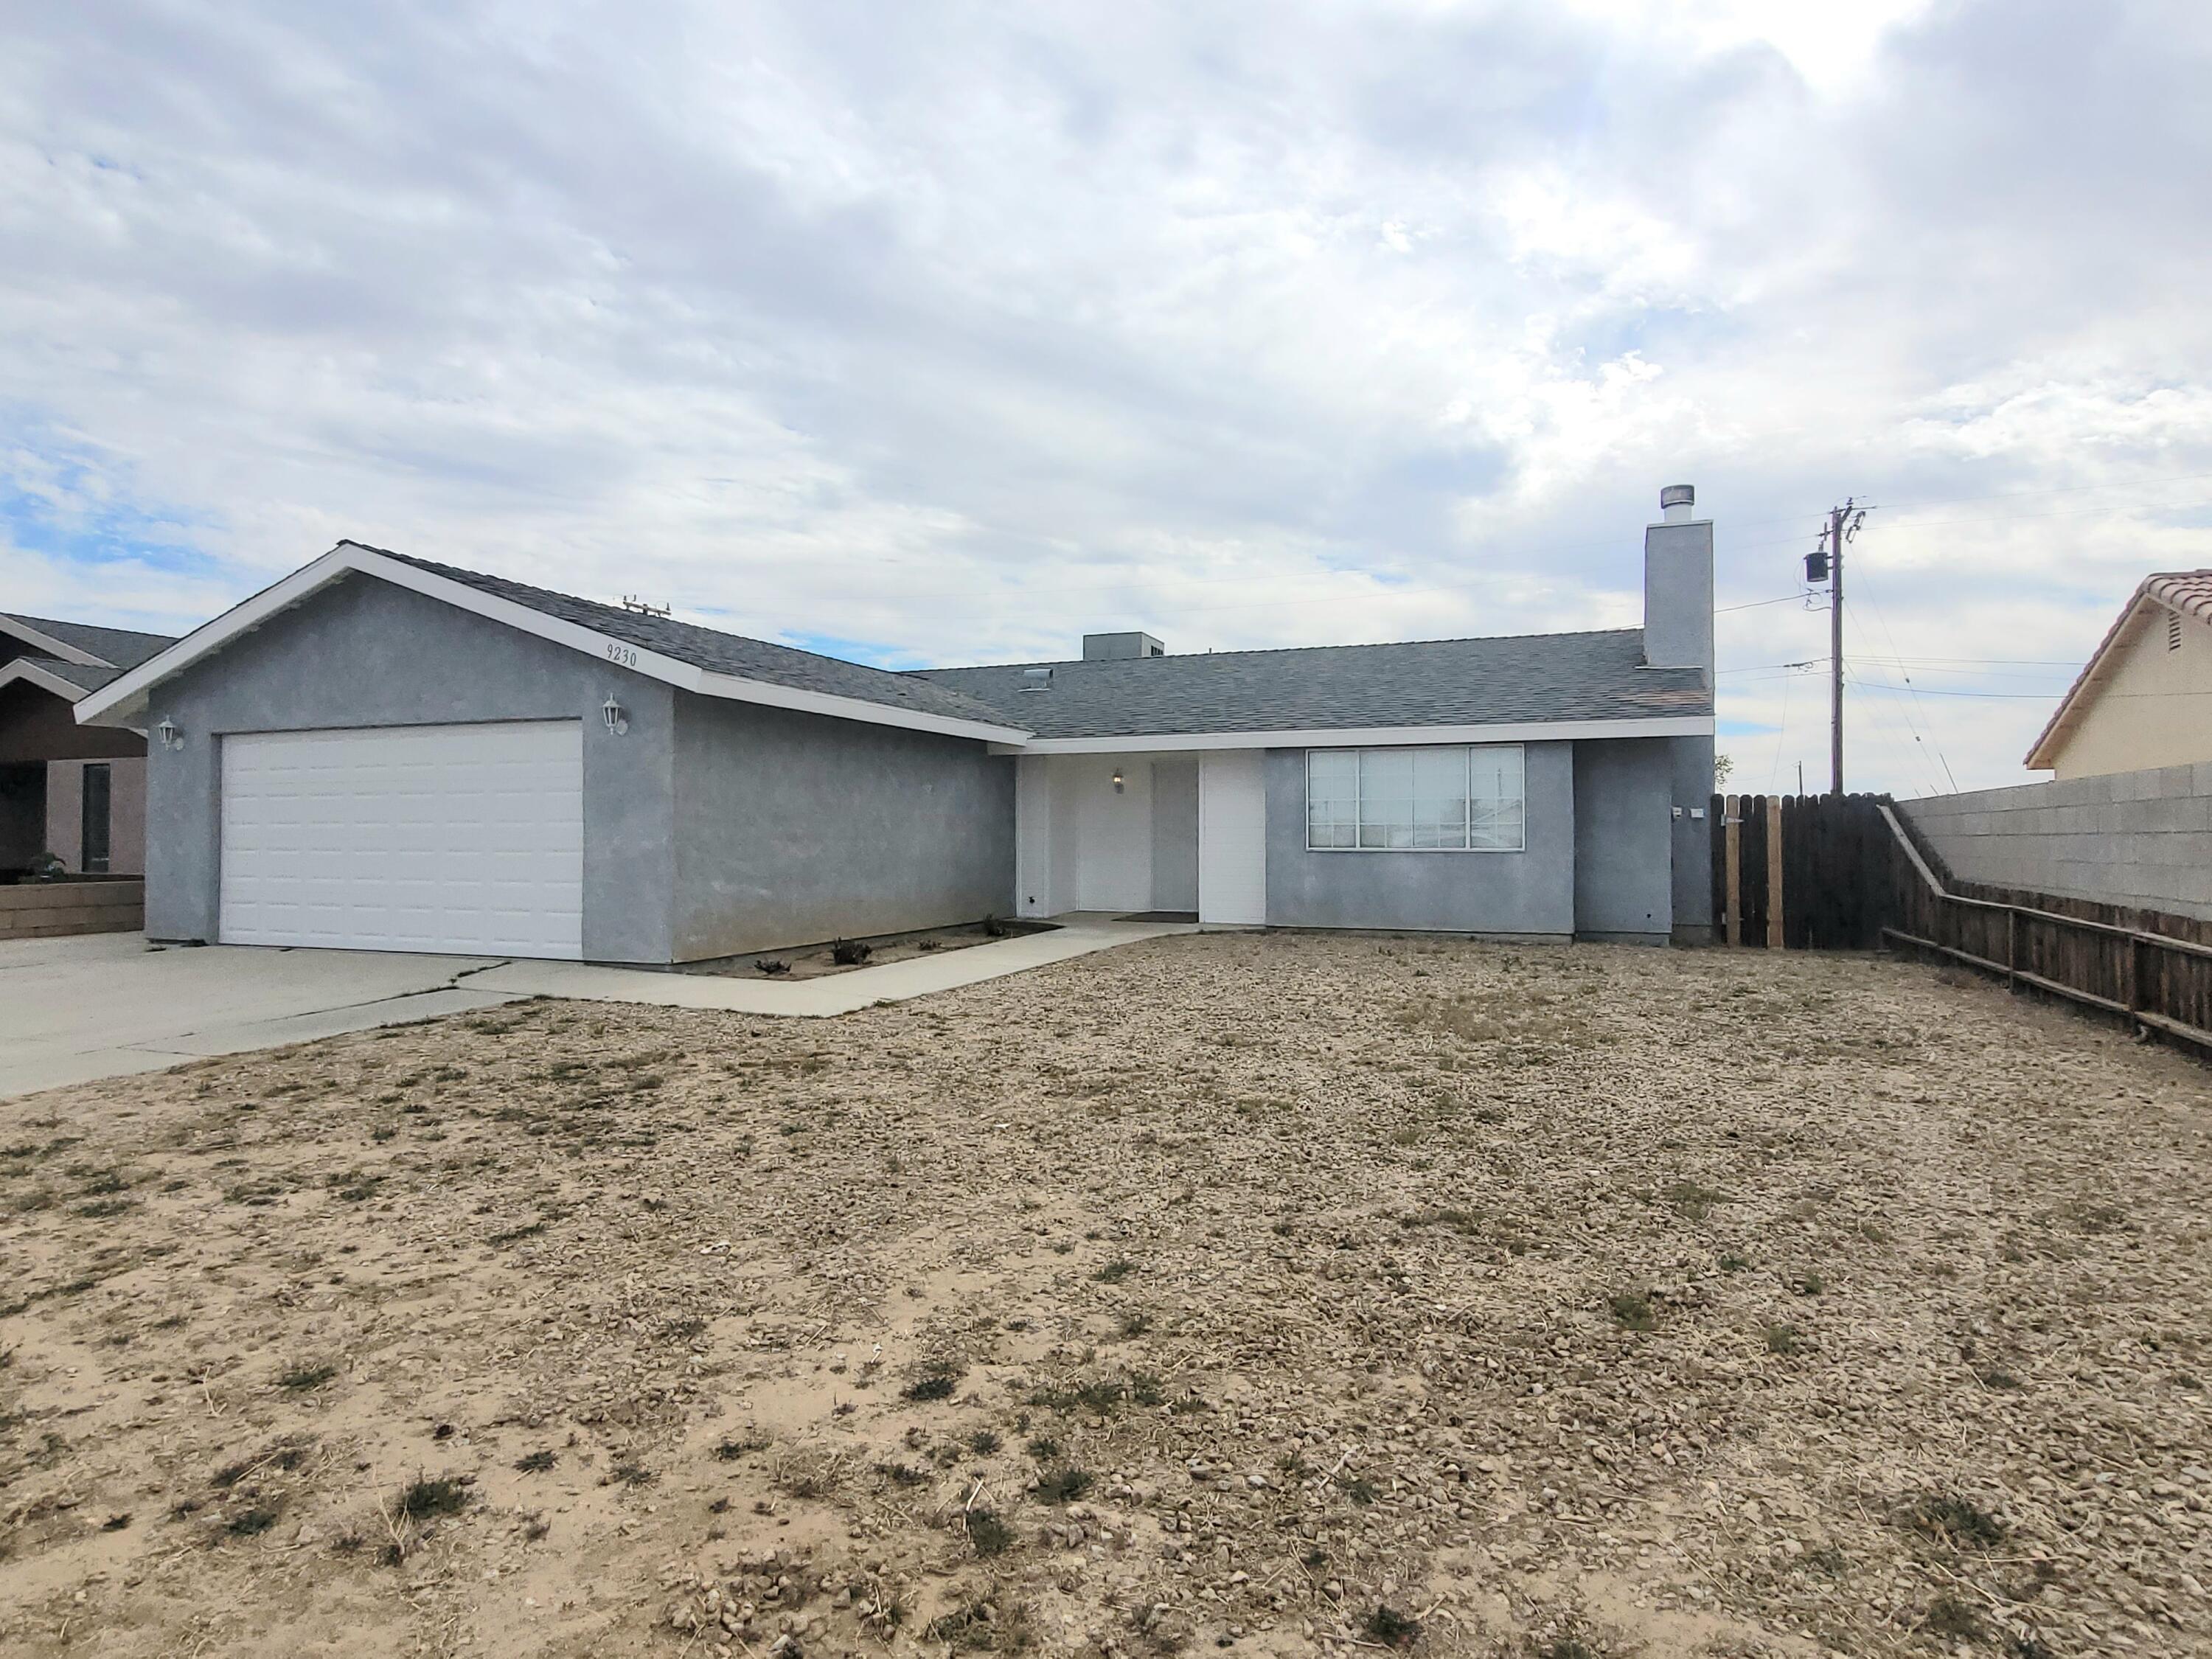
pixel 1558 730
pixel 126 695
pixel 2086 684
pixel 46 643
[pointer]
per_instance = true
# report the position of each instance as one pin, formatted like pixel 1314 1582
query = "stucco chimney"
pixel 1678 585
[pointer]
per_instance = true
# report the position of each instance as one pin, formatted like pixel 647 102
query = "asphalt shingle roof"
pixel 120 648
pixel 1479 682
pixel 727 653
pixel 81 674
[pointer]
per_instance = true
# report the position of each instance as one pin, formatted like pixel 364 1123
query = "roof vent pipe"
pixel 1678 504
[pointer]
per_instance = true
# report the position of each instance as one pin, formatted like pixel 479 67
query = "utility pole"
pixel 1826 563
pixel 1836 650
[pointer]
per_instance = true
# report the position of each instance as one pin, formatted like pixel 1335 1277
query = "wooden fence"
pixel 2157 977
pixel 1807 872
pixel 1800 872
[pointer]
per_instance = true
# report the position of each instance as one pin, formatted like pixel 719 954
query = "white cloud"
pixel 962 333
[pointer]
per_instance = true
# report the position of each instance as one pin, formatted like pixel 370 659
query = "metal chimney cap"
pixel 1677 496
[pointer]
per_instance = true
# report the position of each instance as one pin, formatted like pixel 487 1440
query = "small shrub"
pixel 1958 1522
pixel 1063 1485
pixel 1809 1283
pixel 1044 1449
pixel 1361 1491
pixel 253 1522
pixel 1115 1271
pixel 1732 1264
pixel 936 1380
pixel 984 1442
pixel 1392 1628
pixel 1632 1310
pixel 731 1450
pixel 1783 1339
pixel 850 953
pixel 994 928
pixel 300 1378
pixel 1954 1620
pixel 446 1495
pixel 537 1462
pixel 1692 1201
pixel 773 967
pixel 987 1533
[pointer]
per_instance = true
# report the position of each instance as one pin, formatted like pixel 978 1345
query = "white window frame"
pixel 1469 750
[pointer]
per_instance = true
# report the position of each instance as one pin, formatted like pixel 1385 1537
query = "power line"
pixel 1909 713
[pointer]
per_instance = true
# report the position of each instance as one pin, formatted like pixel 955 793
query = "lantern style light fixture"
pixel 618 717
pixel 1117 779
pixel 167 731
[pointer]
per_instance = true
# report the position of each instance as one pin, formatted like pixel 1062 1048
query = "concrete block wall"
pixel 2143 839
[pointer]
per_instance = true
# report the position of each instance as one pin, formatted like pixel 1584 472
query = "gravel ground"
pixel 1269 1293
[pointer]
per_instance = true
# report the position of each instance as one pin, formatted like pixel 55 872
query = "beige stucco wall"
pixel 2155 710
pixel 126 814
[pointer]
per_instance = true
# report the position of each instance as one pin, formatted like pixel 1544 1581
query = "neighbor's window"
pixel 1460 799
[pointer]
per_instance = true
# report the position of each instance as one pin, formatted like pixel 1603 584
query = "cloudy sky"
pixel 943 333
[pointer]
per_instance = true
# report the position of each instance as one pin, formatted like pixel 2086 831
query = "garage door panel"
pixel 453 839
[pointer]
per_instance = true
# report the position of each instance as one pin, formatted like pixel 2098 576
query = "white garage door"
pixel 465 839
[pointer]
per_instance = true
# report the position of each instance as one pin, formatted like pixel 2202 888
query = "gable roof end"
pixel 692 658
pixel 2186 593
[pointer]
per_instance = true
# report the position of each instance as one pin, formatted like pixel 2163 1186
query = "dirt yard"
pixel 1262 1293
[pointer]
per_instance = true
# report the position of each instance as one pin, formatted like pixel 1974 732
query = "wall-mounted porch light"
pixel 167 731
pixel 618 717
pixel 1117 779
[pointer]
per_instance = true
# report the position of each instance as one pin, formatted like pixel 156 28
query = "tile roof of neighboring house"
pixel 118 647
pixel 1520 678
pixel 726 653
pixel 2189 592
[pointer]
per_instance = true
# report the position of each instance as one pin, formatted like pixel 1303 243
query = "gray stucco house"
pixel 383 753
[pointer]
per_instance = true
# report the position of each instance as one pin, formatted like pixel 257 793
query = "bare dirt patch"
pixel 1270 1293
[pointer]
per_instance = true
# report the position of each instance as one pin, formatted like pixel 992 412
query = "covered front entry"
pixel 1167 834
pixel 70 792
pixel 458 839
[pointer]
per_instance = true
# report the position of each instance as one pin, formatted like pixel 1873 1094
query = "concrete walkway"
pixel 106 1004
pixel 1077 935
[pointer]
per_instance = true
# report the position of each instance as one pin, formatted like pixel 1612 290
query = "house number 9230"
pixel 626 655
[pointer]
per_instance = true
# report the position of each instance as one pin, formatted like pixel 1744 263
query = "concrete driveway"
pixel 75 1009
pixel 105 1004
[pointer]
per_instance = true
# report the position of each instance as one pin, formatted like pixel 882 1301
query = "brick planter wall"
pixel 47 909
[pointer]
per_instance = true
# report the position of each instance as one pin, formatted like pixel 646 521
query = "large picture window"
pixel 1465 799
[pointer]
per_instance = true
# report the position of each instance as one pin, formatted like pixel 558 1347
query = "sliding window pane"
pixel 1331 797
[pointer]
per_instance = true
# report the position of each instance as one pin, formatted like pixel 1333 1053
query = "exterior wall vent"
pixel 2173 631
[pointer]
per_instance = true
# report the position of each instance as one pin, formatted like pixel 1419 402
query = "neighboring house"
pixel 383 753
pixel 2144 699
pixel 76 791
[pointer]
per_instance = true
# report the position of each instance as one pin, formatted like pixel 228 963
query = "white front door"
pixel 1233 837
pixel 462 840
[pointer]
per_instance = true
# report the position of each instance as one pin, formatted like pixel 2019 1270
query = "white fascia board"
pixel 28 671
pixel 50 646
pixel 1378 737
pixel 127 695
